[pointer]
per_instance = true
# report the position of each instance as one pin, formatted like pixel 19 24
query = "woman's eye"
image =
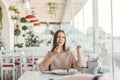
pixel 61 37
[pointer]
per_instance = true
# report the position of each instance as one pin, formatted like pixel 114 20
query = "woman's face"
pixel 61 38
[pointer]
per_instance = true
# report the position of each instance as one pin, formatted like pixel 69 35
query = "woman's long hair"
pixel 55 41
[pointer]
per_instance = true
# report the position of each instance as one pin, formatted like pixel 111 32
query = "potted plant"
pixel 15 10
pixel 24 27
pixel 17 31
pixel 19 45
pixel 23 20
pixel 32 40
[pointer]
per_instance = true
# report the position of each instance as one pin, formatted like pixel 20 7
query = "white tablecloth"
pixel 37 75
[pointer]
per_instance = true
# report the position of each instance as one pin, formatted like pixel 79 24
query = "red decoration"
pixel 30 16
pixel 34 20
pixel 36 24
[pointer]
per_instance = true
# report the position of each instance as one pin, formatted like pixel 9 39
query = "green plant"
pixel 17 31
pixel 24 27
pixel 32 40
pixel 14 17
pixel 14 9
pixel 19 45
pixel 23 20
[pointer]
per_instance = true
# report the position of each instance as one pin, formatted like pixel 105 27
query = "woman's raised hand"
pixel 78 48
pixel 57 50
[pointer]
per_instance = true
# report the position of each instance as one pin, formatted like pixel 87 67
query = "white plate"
pixel 47 72
pixel 60 72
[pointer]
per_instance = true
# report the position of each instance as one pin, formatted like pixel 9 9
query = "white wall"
pixel 7 31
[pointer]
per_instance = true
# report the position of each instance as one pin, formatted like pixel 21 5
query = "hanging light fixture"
pixel 53 7
pixel 30 16
pixel 35 20
pixel 24 4
pixel 36 24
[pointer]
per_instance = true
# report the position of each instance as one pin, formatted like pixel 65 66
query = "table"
pixel 37 75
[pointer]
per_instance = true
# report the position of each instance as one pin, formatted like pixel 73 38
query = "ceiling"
pixel 65 9
pixel 42 10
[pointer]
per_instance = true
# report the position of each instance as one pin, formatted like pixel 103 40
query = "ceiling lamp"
pixel 32 19
pixel 36 24
pixel 53 7
pixel 35 20
pixel 27 4
pixel 30 16
pixel 24 4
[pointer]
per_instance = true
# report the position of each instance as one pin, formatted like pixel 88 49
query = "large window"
pixel 109 22
pixel 101 33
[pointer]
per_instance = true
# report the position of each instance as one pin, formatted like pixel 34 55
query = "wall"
pixel 7 30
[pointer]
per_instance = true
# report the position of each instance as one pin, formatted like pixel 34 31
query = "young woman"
pixel 59 57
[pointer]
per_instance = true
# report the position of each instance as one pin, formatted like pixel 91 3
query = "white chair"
pixel 18 63
pixel 28 59
pixel 24 59
pixel 7 63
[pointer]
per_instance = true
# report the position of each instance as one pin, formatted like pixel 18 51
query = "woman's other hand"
pixel 79 55
pixel 78 48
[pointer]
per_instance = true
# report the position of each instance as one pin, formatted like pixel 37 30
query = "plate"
pixel 60 72
pixel 47 72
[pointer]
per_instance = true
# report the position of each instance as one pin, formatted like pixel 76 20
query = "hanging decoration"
pixel 53 6
pixel 36 24
pixel 15 15
pixel 14 9
pixel 24 4
pixel 24 27
pixel 32 19
pixel 36 20
pixel 17 31
pixel 30 16
pixel 23 20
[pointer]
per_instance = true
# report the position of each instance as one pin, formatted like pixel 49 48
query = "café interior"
pixel 27 28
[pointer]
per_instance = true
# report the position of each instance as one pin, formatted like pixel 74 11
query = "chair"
pixel 18 62
pixel 7 63
pixel 25 60
pixel 28 59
